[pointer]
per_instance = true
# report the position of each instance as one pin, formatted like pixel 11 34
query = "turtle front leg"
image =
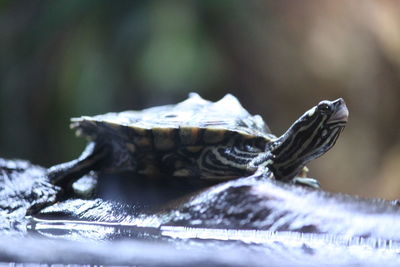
pixel 65 174
pixel 303 180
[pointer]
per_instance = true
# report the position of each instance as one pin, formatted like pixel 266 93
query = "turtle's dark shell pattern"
pixel 175 139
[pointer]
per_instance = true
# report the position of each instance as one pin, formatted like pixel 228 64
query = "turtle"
pixel 202 140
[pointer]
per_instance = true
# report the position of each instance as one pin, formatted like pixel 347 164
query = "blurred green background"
pixel 60 59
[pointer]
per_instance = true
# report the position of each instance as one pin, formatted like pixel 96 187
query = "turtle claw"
pixel 308 182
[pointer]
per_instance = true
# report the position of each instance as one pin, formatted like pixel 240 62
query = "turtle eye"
pixel 324 107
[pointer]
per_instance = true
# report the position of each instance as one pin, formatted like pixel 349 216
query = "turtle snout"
pixel 341 113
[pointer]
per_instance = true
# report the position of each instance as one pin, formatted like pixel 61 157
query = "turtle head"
pixel 309 137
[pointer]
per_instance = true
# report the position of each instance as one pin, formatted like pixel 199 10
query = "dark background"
pixel 60 59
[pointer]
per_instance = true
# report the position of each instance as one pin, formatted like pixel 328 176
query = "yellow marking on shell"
pixel 141 137
pixel 79 133
pixel 83 127
pixel 143 141
pixel 245 135
pixel 214 135
pixel 179 164
pixel 182 173
pixel 116 127
pixel 131 147
pixel 139 130
pixel 163 138
pixel 194 149
pixel 188 135
pixel 150 170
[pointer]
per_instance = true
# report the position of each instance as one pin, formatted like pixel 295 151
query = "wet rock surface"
pixel 23 186
pixel 238 223
pixel 251 203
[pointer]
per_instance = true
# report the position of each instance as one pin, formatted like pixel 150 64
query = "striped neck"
pixel 309 137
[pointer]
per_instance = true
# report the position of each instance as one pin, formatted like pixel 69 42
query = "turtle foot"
pixel 308 182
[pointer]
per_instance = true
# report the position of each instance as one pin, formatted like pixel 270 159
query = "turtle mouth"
pixel 341 113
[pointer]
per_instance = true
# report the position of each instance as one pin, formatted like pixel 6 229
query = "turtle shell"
pixel 177 139
pixel 193 122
